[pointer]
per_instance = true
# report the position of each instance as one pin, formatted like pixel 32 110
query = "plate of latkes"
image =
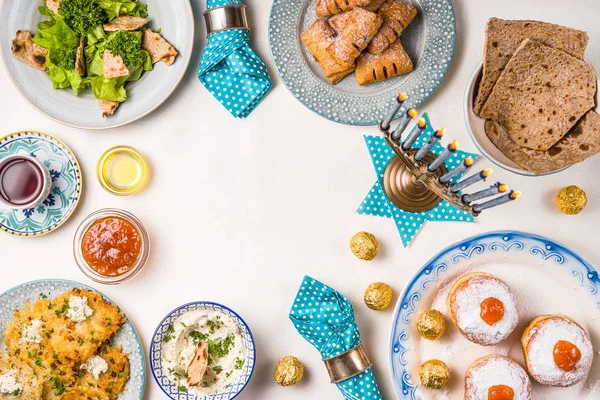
pixel 64 340
pixel 502 315
pixel 347 60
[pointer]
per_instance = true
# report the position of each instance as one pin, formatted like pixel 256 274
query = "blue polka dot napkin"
pixel 231 70
pixel 377 203
pixel 325 318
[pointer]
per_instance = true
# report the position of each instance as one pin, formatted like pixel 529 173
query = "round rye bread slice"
pixel 540 95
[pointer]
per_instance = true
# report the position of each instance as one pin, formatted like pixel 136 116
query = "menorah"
pixel 417 180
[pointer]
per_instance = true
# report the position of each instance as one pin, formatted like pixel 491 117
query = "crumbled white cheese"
pixel 95 365
pixel 79 310
pixel 9 383
pixel 31 332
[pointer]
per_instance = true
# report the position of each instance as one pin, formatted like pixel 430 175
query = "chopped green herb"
pixel 182 388
pixel 82 15
pixel 198 337
pixel 239 363
pixel 221 347
pixel 169 335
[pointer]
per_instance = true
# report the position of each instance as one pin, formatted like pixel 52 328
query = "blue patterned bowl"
pixel 429 40
pixel 156 349
pixel 127 337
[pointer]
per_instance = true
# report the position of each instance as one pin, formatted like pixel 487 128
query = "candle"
pixel 429 144
pixel 457 187
pixel 493 190
pixel 410 114
pixel 414 134
pixel 457 170
pixel 385 125
pixel 448 151
pixel 497 201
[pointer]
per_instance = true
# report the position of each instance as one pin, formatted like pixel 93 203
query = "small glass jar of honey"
pixel 122 170
pixel 111 246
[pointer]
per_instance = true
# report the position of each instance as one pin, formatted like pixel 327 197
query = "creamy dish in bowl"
pixel 203 349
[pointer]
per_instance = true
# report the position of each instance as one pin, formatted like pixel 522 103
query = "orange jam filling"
pixel 492 310
pixel 566 355
pixel 501 392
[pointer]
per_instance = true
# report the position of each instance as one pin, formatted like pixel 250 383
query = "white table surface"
pixel 240 210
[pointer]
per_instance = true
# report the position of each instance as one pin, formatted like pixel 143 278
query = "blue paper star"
pixel 377 203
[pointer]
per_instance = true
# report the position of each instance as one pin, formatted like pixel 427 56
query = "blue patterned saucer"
pixel 546 278
pixel 429 40
pixel 156 348
pixel 127 337
pixel 66 184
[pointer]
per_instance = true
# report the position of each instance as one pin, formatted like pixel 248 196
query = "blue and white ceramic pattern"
pixel 174 18
pixel 126 337
pixel 503 246
pixel 156 349
pixel 429 40
pixel 66 184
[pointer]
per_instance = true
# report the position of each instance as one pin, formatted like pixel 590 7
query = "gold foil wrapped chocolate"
pixel 571 200
pixel 378 296
pixel 431 325
pixel 364 245
pixel 288 371
pixel 434 374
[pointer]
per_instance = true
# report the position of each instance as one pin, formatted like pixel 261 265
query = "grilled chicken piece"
pixel 53 5
pixel 125 23
pixel 197 367
pixel 108 107
pixel 113 66
pixel 27 51
pixel 158 47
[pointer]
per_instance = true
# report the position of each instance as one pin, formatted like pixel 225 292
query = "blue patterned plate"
pixel 429 40
pixel 546 278
pixel 66 184
pixel 127 336
pixel 156 349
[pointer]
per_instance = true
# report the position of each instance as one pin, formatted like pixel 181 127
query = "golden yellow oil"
pixel 122 170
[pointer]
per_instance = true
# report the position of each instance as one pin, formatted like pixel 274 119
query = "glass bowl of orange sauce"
pixel 111 246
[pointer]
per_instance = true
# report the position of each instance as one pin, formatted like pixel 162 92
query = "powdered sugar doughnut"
pixel 541 338
pixel 467 300
pixel 491 373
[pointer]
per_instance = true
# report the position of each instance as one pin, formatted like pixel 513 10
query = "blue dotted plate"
pixel 156 349
pixel 66 184
pixel 429 40
pixel 543 270
pixel 127 336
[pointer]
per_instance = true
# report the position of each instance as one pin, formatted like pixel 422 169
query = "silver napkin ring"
pixel 232 16
pixel 348 364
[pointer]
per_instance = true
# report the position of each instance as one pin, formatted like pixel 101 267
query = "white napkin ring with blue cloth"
pixel 231 16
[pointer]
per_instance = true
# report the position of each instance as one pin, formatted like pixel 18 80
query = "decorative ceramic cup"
pixel 25 182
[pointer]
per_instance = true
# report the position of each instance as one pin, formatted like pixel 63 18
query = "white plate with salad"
pixel 96 64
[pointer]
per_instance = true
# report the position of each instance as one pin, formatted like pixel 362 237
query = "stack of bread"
pixel 360 36
pixel 537 94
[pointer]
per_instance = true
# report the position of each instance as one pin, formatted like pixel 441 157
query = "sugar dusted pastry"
pixel 483 308
pixel 327 8
pixel 353 40
pixel 317 38
pixel 497 377
pixel 393 61
pixel 396 17
pixel 558 351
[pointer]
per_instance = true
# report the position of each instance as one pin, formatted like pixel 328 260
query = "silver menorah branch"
pixel 417 180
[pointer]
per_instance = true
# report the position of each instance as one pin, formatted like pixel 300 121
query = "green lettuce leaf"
pixel 109 89
pixel 114 8
pixel 62 77
pixel 55 33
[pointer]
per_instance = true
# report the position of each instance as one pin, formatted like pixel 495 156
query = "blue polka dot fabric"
pixel 231 70
pixel 325 318
pixel 377 203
